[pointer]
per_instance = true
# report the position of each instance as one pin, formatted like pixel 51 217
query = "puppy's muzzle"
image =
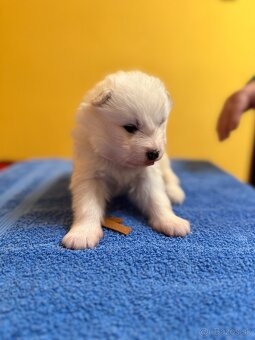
pixel 152 155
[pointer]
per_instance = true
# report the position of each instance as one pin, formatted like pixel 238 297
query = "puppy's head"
pixel 126 118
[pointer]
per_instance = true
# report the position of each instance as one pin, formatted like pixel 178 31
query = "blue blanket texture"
pixel 141 286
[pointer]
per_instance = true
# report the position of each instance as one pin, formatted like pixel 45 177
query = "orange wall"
pixel 53 51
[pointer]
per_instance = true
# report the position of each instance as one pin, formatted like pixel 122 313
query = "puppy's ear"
pixel 101 97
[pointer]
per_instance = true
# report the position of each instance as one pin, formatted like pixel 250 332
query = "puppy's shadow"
pixel 53 208
pixel 121 206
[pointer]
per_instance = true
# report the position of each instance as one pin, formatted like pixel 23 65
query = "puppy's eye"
pixel 130 128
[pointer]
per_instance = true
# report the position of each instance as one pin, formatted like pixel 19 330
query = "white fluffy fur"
pixel 108 160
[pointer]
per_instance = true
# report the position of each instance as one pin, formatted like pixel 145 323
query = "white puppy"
pixel 119 145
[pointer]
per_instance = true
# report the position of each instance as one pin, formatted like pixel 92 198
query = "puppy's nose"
pixel 152 155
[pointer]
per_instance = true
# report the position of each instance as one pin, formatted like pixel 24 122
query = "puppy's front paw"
pixel 82 238
pixel 172 226
pixel 175 193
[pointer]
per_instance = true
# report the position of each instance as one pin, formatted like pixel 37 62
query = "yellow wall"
pixel 52 51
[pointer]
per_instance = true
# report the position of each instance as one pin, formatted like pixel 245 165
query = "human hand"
pixel 233 108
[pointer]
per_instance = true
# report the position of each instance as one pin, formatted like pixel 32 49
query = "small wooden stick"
pixel 112 223
pixel 115 219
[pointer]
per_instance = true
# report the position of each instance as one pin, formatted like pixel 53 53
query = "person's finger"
pixel 234 118
pixel 230 116
pixel 236 107
pixel 223 121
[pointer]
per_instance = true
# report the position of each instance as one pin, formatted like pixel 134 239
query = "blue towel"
pixel 141 286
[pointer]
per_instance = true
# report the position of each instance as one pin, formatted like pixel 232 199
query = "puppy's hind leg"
pixel 172 182
pixel 150 196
